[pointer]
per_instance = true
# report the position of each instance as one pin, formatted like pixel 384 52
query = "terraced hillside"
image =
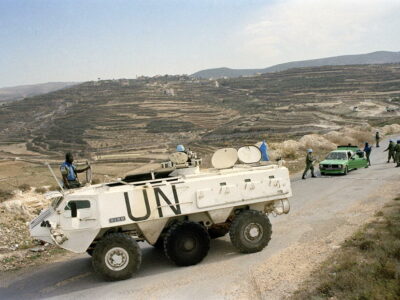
pixel 139 115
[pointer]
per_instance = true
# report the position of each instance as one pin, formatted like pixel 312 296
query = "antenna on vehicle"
pixel 54 175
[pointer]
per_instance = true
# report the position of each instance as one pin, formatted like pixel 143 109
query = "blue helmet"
pixel 180 148
pixel 309 151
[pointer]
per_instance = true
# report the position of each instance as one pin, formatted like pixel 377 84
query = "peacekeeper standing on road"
pixel 309 164
pixel 390 148
pixel 69 172
pixel 377 139
pixel 367 150
pixel 397 154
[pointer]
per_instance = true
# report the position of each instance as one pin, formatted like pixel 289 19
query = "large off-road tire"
pixel 250 231
pixel 90 251
pixel 116 257
pixel 159 245
pixel 186 243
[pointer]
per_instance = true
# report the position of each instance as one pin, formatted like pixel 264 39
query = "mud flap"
pixel 152 229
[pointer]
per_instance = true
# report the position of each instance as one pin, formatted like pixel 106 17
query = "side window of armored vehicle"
pixel 77 208
pixel 80 204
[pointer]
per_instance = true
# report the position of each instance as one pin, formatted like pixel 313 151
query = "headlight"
pixel 341 166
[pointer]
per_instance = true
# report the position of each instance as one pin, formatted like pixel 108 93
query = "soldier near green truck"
pixel 309 164
pixel 391 152
pixel 397 154
pixel 377 139
pixel 367 150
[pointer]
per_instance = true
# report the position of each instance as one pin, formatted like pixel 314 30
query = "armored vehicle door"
pixel 78 214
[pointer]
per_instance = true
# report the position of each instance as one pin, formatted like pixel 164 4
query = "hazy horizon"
pixel 47 41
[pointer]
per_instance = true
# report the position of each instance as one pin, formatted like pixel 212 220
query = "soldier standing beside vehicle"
pixel 367 150
pixel 309 164
pixel 69 172
pixel 397 154
pixel 390 148
pixel 377 139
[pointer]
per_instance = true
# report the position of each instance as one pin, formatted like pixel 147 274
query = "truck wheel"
pixel 250 231
pixel 159 245
pixel 186 243
pixel 116 257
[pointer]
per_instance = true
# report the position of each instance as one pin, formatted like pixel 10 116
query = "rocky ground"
pixel 17 248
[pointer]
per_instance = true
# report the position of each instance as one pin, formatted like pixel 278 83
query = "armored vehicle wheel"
pixel 186 243
pixel 250 231
pixel 117 256
pixel 159 244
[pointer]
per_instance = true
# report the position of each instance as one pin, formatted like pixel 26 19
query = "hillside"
pixel 23 91
pixel 154 114
pixel 379 57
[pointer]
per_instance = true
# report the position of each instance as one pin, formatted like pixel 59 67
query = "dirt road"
pixel 324 212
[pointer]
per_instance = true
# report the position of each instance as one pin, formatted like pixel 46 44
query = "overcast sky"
pixel 79 40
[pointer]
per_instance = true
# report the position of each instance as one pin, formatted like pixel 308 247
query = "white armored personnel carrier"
pixel 177 208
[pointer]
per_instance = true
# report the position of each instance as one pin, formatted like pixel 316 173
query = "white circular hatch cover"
pixel 249 154
pixel 178 158
pixel 224 158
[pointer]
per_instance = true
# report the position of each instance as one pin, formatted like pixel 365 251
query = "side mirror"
pixel 74 210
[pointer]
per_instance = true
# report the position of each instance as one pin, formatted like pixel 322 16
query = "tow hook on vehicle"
pixel 278 207
pixel 57 236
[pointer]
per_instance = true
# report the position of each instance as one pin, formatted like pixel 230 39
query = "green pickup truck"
pixel 342 160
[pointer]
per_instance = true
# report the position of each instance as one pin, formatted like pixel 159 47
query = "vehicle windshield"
pixel 337 156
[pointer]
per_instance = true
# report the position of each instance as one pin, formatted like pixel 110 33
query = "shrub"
pixel 95 180
pixel 40 190
pixel 24 187
pixel 5 195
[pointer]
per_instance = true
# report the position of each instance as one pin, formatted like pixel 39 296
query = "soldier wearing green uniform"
pixel 377 139
pixel 309 164
pixel 397 154
pixel 390 148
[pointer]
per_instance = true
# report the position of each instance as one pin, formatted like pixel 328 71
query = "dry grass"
pixel 40 190
pixel 366 267
pixel 5 195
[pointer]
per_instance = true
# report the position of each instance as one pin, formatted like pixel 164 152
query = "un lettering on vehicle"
pixel 149 203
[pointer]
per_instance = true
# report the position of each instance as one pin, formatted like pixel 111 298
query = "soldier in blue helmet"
pixel 180 148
